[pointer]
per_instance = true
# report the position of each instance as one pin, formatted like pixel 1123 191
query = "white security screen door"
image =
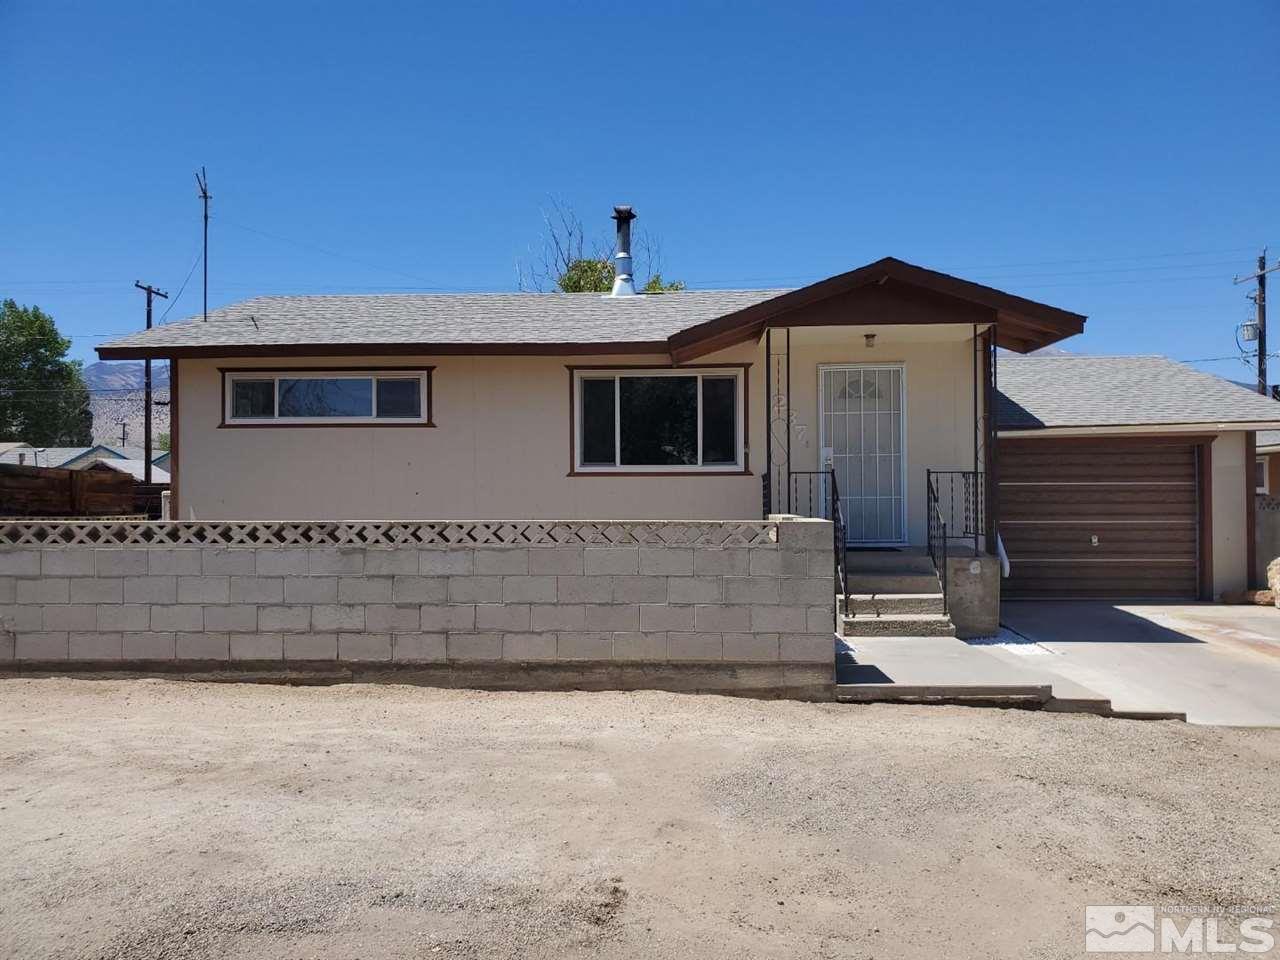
pixel 861 416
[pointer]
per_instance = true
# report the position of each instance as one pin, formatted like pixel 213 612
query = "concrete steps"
pixel 888 604
pixel 893 593
pixel 906 560
pixel 898 625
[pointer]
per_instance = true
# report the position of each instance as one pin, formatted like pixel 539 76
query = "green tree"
pixel 162 442
pixel 655 284
pixel 564 260
pixel 587 275
pixel 43 397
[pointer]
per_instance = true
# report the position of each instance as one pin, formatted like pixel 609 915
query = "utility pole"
pixel 1260 305
pixel 124 431
pixel 202 180
pixel 146 412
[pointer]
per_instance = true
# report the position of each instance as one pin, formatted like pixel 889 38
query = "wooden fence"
pixel 54 492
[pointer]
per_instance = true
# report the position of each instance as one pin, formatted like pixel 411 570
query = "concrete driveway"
pixel 1218 664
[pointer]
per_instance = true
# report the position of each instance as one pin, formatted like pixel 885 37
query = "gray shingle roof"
pixel 48 457
pixel 57 456
pixel 1078 391
pixel 506 318
pixel 1268 438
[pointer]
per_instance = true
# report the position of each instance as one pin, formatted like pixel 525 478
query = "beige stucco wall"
pixel 500 447
pixel 499 450
pixel 1230 546
pixel 938 364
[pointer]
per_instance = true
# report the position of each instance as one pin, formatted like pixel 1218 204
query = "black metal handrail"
pixel 960 497
pixel 937 526
pixel 956 510
pixel 842 577
pixel 815 493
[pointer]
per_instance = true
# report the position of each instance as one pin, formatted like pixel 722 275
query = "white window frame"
pixel 1265 487
pixel 421 374
pixel 739 377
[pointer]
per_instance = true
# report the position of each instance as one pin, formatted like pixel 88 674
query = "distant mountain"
pixel 116 394
pixel 123 375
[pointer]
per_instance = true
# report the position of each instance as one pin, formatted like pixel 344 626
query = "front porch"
pixel 887 434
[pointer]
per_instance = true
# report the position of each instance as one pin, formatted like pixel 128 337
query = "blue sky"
pixel 1117 159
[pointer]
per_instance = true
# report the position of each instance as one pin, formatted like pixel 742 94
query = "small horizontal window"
pixel 327 397
pixel 659 421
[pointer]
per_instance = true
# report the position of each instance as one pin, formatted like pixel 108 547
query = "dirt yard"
pixel 157 818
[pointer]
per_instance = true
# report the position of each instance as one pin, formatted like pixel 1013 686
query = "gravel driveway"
pixel 148 818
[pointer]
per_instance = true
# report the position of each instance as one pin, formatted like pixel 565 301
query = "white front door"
pixel 861 421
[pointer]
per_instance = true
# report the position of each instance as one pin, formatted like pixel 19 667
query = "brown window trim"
pixel 743 368
pixel 370 424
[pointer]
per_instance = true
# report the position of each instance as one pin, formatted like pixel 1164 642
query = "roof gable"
pixel 1021 324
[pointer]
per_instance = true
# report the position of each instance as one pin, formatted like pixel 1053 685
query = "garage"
pixel 1103 517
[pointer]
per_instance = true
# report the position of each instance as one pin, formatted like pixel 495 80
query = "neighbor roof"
pixel 1078 391
pixel 686 324
pixel 47 456
pixel 58 456
pixel 135 468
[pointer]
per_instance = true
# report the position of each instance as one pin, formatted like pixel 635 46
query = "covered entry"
pixel 1102 516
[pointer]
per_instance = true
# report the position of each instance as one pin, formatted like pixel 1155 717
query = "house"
pixel 68 458
pixel 14 452
pixel 870 388
pixel 1126 476
pixel 134 468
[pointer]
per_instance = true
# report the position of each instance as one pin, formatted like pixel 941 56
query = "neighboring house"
pixel 68 458
pixel 135 469
pixel 683 405
pixel 11 452
pixel 50 456
pixel 1126 476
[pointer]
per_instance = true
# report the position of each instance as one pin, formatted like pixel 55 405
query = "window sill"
pixel 341 425
pixel 659 474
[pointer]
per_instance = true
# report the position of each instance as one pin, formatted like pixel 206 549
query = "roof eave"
pixel 215 351
pixel 1022 325
pixel 1189 426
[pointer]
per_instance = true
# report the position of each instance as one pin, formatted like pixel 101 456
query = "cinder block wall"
pixel 771 602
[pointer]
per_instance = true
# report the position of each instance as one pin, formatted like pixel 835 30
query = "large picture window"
pixel 326 397
pixel 659 421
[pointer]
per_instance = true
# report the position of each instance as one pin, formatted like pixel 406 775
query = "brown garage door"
pixel 1100 517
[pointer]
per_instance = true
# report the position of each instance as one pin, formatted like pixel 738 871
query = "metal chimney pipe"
pixel 623 285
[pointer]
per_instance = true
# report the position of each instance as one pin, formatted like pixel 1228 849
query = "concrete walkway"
pixel 1217 664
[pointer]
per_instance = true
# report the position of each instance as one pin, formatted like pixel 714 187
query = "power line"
pixel 330 253
pixel 178 296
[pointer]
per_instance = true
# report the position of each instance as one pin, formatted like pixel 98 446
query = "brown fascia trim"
pixel 1039 323
pixel 1194 439
pixel 1152 429
pixel 303 350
